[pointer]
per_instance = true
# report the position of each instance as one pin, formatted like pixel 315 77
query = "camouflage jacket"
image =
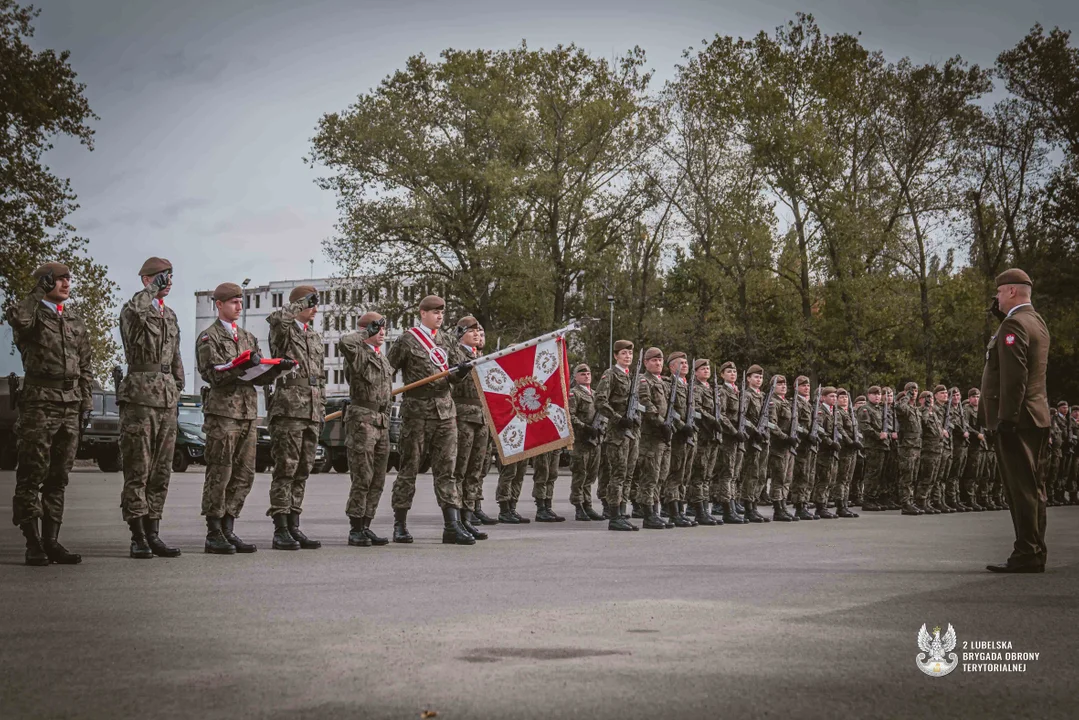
pixel 908 420
pixel 871 421
pixel 728 400
pixel 1057 428
pixel 151 337
pixel 612 399
pixel 707 406
pixel 846 432
pixel 370 381
pixel 780 417
pixel 228 395
pixel 932 426
pixel 582 408
pixel 55 352
pixel 754 403
pixel 411 358
pixel 805 415
pixel 974 428
pixel 465 394
pixel 681 397
pixel 302 393
pixel 653 392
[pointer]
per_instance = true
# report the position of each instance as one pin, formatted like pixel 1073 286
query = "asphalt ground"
pixel 810 619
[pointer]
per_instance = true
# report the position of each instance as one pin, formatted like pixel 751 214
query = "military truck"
pixel 332 440
pixel 101 434
pixel 9 413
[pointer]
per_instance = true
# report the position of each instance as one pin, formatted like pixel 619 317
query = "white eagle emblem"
pixel 530 399
pixel 931 660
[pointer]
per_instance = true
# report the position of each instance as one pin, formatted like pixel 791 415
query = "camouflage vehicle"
pixel 332 440
pixel 9 412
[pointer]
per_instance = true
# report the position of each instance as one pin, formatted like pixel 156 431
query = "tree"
pixel 40 99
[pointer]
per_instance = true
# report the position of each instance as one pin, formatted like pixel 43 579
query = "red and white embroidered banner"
pixel 525 397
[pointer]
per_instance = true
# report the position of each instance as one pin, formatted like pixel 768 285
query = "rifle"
pixel 742 399
pixel 948 417
pixel 668 422
pixel 598 427
pixel 117 377
pixel 835 431
pixel 13 390
pixel 716 412
pixel 633 404
pixel 857 430
pixel 814 422
pixel 794 424
pixel 762 421
pixel 691 414
pixel 966 427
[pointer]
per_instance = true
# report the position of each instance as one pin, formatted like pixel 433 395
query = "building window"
pixel 325 323
pixel 372 294
pixel 353 322
pixel 278 300
pixel 339 323
pixel 355 296
pixel 336 377
pixel 247 300
pixel 340 297
pixel 325 376
pixel 257 299
pixel 325 349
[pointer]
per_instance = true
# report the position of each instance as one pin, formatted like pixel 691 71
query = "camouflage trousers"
pixel 927 474
pixel 674 483
pixel 293 443
pixel 805 472
pixel 230 465
pixel 488 458
pixel 754 467
pixel 544 474
pixel 1050 470
pixel 510 480
pixel 908 461
pixel 48 438
pixel 956 471
pixel 437 439
pixel 723 476
pixel 698 489
pixel 824 476
pixel 972 473
pixel 621 460
pixel 584 466
pixel 857 485
pixel 781 470
pixel 368 450
pixel 844 476
pixel 654 464
pixel 472 442
pixel 147 442
pixel 874 474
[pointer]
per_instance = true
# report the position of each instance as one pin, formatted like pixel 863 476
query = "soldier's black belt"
pixel 48 382
pixel 371 405
pixel 162 368
pixel 468 401
pixel 312 381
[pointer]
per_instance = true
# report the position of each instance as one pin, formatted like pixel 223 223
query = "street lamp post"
pixel 610 355
pixel 243 286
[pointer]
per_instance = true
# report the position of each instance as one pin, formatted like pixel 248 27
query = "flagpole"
pixel 574 325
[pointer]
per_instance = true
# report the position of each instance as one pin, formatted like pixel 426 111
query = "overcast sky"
pixel 207 106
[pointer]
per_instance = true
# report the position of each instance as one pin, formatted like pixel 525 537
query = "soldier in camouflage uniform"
pixel 976 453
pixel 960 433
pixel 1054 487
pixel 908 417
pixel 654 459
pixel 828 454
pixel 428 421
pixel 511 477
pixel 488 454
pixel 620 446
pixel 295 413
pixel 929 462
pixel 54 403
pixel 1071 464
pixel 584 463
pixel 857 488
pixel 780 460
pixel 683 442
pixel 848 456
pixel 704 459
pixel 724 491
pixel 805 462
pixel 472 434
pixel 891 498
pixel 938 489
pixel 544 474
pixel 755 459
pixel 871 421
pixel 147 399
pixel 230 406
pixel 367 425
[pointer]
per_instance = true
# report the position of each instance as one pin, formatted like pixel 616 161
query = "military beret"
pixel 581 368
pixel 1075 408
pixel 973 392
pixel 828 390
pixel 924 395
pixel 859 399
pixel 729 365
pixel 227 291
pixel 432 302
pixel 755 370
pixel 301 291
pixel 620 345
pixel 939 388
pixel 779 379
pixel 653 352
pixel 469 323
pixel 154 265
pixel 1062 403
pixel 954 390
pixel 58 270
pixel 1014 276
pixel 699 363
pixel 843 392
pixel 873 390
pixel 369 317
pixel 677 355
pixel 910 386
pixel 801 380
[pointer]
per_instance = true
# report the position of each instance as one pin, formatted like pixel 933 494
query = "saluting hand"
pixel 47 282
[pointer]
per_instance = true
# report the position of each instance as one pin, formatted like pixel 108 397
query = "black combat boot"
pixel 619 522
pixel 844 511
pixel 739 508
pixel 542 514
pixel 751 512
pixel 376 540
pixel 625 516
pixel 638 512
pixel 216 543
pixel 505 514
pixel 469 523
pixel 730 514
pixel 801 512
pixel 962 507
pixel 520 518
pixel 579 513
pixel 56 552
pixel 35 553
pixel 153 539
pixel 679 520
pixel 821 511
pixel 657 510
pixel 976 506
pixel 779 512
pixel 652 520
pixel 702 516
pixel 592 514
pixel 282 538
pixel 552 513
pixel 682 511
pixel 689 510
pixel 228 524
pixel 139 549
pixel 294 530
pixel 927 508
pixel 356 536
pixel 483 517
pixel 454 532
pixel 911 509
pixel 871 506
pixel 606 514
pixel 400 529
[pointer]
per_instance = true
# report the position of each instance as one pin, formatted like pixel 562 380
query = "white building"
pixel 340 308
